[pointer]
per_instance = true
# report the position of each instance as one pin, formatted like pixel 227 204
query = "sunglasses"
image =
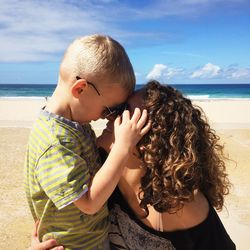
pixel 114 111
pixel 90 83
pixel 108 112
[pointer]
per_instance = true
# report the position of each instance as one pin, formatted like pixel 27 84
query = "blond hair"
pixel 98 56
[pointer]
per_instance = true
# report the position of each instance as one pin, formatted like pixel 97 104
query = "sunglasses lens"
pixel 118 110
pixel 106 112
pixel 115 111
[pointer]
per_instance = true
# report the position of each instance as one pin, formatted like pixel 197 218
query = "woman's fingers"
pixel 57 248
pixel 46 245
pixel 35 229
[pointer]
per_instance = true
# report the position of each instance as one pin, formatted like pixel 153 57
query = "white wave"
pixel 198 97
pixel 23 97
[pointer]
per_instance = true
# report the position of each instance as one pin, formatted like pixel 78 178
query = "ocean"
pixel 193 91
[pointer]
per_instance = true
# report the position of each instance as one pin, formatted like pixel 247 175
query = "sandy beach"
pixel 230 118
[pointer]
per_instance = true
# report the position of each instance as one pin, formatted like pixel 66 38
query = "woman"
pixel 173 181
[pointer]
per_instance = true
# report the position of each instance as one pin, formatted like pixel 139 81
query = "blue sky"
pixel 174 41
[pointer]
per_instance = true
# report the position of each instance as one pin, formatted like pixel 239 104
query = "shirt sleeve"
pixel 63 174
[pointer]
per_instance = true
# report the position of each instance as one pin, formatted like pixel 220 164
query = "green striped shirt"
pixel 61 158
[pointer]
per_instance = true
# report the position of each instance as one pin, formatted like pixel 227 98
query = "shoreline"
pixel 191 97
pixel 22 112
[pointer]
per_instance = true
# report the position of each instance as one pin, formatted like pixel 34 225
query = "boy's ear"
pixel 78 87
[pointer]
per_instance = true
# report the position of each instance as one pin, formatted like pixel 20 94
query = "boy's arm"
pixel 127 133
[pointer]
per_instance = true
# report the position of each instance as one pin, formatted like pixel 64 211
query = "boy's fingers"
pixel 125 115
pixel 136 115
pixel 145 129
pixel 117 121
pixel 141 122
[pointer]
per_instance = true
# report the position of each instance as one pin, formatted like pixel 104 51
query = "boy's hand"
pixel 128 131
pixel 46 245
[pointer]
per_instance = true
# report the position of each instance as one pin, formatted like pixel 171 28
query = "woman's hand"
pixel 46 245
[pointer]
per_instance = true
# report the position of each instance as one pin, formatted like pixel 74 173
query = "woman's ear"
pixel 78 87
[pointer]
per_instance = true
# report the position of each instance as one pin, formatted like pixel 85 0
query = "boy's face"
pixel 97 100
pixel 107 137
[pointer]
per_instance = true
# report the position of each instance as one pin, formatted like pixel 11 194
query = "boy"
pixel 65 186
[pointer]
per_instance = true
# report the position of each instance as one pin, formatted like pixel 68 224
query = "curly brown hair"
pixel 180 154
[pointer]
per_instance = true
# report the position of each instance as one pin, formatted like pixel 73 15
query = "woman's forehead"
pixel 136 99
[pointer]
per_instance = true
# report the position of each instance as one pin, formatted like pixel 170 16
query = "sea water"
pixel 193 91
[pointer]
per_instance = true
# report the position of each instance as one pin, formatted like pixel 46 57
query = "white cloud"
pixel 34 30
pixel 210 71
pixel 243 73
pixel 185 8
pixel 207 71
pixel 163 71
pixel 156 72
pixel 39 30
pixel 171 72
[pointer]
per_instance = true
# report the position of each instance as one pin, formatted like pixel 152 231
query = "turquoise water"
pixel 193 91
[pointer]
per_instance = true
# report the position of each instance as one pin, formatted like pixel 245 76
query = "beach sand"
pixel 230 118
